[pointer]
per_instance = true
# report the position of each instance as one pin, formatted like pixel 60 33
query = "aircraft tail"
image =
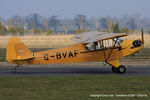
pixel 16 50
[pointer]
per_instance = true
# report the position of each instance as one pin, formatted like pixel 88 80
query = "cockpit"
pixel 104 44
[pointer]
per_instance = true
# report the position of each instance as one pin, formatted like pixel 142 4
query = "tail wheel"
pixel 14 70
pixel 121 69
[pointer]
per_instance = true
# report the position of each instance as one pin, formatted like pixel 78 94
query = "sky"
pixel 70 8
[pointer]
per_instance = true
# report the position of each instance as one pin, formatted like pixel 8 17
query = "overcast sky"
pixel 70 8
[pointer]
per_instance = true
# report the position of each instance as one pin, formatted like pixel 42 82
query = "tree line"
pixel 36 24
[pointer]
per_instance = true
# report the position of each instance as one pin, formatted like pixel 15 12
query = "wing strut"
pixel 102 44
pixel 111 50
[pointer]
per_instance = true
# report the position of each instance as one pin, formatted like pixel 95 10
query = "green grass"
pixel 73 87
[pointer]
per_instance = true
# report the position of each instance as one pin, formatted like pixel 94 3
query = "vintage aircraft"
pixel 91 47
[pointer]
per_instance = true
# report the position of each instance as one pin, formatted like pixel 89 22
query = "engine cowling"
pixel 137 43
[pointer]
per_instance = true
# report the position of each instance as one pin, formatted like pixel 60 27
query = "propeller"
pixel 142 35
pixel 138 43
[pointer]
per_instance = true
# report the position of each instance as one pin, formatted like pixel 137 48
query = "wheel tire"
pixel 121 69
pixel 13 70
pixel 115 70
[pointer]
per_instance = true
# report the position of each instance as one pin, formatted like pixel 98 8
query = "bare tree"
pixel 97 24
pixel 80 21
pixel 54 22
pixel 66 26
pixel 47 22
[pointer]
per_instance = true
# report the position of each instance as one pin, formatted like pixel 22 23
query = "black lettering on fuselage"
pixel 58 55
pixel 70 54
pixel 46 57
pixel 75 52
pixel 66 54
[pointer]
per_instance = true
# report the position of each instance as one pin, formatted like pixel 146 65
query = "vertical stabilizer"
pixel 16 50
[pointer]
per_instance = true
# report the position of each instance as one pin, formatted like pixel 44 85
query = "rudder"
pixel 16 50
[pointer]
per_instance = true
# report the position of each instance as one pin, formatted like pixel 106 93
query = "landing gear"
pixel 15 69
pixel 115 70
pixel 120 69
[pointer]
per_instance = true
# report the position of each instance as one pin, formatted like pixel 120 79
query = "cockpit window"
pixel 108 43
pixel 93 46
pixel 103 44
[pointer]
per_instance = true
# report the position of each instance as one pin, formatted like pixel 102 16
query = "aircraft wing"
pixel 96 36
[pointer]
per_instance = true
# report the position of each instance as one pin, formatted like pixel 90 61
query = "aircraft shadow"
pixel 61 71
pixel 71 71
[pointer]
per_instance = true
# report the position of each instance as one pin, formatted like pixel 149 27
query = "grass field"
pixel 51 41
pixel 56 41
pixel 73 87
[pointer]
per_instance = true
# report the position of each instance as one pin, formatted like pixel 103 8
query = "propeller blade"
pixel 142 33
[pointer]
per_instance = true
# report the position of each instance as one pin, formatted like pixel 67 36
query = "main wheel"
pixel 121 69
pixel 115 70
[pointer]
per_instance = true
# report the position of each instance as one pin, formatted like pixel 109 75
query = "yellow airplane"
pixel 91 47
